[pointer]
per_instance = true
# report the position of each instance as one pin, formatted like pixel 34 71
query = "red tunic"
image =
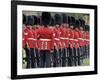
pixel 67 38
pixel 23 40
pixel 76 36
pixel 81 38
pixel 46 38
pixel 71 38
pixel 84 38
pixel 57 38
pixel 63 36
pixel 34 31
pixel 25 36
pixel 87 39
pixel 29 37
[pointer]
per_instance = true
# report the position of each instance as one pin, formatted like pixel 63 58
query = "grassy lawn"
pixel 86 62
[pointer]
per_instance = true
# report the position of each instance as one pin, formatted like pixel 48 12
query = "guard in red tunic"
pixel 67 32
pixel 67 41
pixel 24 23
pixel 85 49
pixel 25 42
pixel 71 42
pixel 87 41
pixel 76 45
pixel 37 25
pixel 46 40
pixel 31 40
pixel 57 43
pixel 64 39
pixel 81 40
pixel 83 37
pixel 34 52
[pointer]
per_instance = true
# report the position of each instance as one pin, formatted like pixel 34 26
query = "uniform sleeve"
pixel 53 40
pixel 38 33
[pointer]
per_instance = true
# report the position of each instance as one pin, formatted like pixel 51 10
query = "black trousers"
pixel 33 58
pixel 88 48
pixel 38 57
pixel 75 56
pixel 87 54
pixel 56 58
pixel 46 59
pixel 79 51
pixel 70 58
pixel 27 57
pixel 64 57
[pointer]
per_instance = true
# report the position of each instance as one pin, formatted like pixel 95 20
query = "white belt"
pixel 73 39
pixel 63 38
pixel 45 39
pixel 80 38
pixel 25 33
pixel 56 38
pixel 31 39
pixel 87 39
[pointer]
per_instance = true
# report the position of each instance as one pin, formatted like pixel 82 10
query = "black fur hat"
pixel 30 20
pixel 35 20
pixel 24 19
pixel 82 23
pixel 72 21
pixel 80 20
pixel 64 18
pixel 46 18
pixel 58 19
pixel 87 28
pixel 69 19
pixel 52 21
pixel 77 23
pixel 39 20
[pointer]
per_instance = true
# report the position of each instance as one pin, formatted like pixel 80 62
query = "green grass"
pixel 86 62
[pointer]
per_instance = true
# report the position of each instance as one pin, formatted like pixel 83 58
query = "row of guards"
pixel 54 41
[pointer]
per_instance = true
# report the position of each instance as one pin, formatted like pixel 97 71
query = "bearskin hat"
pixel 52 21
pixel 87 28
pixel 24 19
pixel 68 21
pixel 45 18
pixel 30 20
pixel 82 23
pixel 72 21
pixel 58 19
pixel 35 20
pixel 64 18
pixel 77 23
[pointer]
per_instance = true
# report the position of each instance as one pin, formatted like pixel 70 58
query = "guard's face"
pixel 81 28
pixel 71 27
pixel 76 29
pixel 31 27
pixel 64 25
pixel 38 25
pixel 35 25
pixel 57 25
pixel 67 25
pixel 28 26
